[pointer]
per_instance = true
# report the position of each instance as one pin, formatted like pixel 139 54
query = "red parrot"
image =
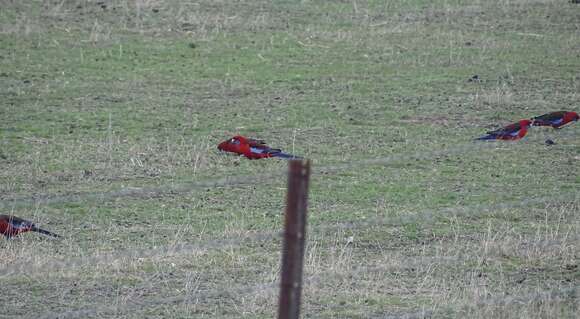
pixel 252 148
pixel 512 132
pixel 555 119
pixel 12 226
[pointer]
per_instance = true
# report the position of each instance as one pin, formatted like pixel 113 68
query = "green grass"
pixel 96 97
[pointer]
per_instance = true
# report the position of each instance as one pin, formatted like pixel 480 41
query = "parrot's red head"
pixel 233 144
pixel 525 123
pixel 571 116
pixel 240 139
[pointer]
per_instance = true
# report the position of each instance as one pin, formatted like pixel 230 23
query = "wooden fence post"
pixel 294 238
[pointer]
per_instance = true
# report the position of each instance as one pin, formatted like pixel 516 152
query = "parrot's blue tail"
pixel 486 138
pixel 285 155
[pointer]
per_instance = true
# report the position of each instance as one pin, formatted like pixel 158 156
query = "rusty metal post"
pixel 294 237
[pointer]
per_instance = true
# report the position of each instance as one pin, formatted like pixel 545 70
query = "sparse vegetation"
pixel 100 96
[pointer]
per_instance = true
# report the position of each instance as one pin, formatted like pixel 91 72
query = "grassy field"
pixel 97 97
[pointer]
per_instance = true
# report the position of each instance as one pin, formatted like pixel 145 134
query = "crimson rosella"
pixel 555 119
pixel 11 226
pixel 252 148
pixel 514 131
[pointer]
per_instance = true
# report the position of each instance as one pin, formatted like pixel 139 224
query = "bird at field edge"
pixel 555 119
pixel 512 132
pixel 252 148
pixel 11 226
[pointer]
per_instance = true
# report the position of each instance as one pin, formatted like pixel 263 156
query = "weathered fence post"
pixel 294 237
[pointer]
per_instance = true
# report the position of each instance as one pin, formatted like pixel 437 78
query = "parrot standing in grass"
pixel 252 148
pixel 555 119
pixel 512 132
pixel 12 226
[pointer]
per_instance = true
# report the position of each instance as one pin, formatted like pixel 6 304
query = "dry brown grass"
pixel 124 101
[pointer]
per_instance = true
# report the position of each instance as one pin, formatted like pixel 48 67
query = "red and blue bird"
pixel 11 226
pixel 252 148
pixel 512 132
pixel 555 119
